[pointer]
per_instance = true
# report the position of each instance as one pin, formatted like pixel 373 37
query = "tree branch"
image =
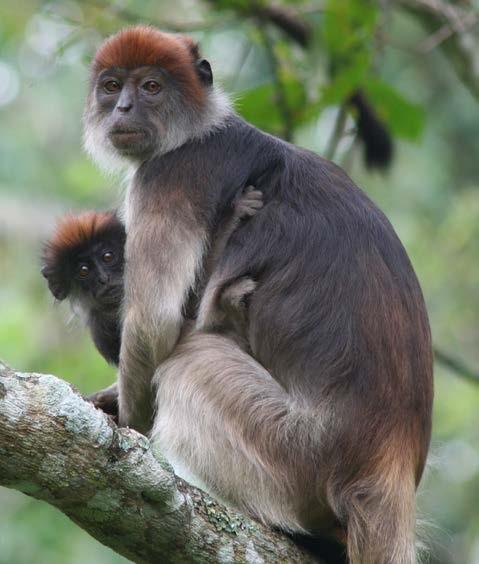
pixel 338 132
pixel 451 28
pixel 280 91
pixel 56 447
pixel 456 365
pixel 287 20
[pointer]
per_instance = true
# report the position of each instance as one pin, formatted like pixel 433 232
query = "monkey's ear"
pixel 204 72
pixel 46 272
pixel 57 287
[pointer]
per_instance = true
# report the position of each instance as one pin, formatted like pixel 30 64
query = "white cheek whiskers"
pixel 100 149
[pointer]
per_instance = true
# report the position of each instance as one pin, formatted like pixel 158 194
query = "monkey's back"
pixel 337 309
pixel 337 316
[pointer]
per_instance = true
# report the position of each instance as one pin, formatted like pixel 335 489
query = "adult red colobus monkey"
pixel 327 422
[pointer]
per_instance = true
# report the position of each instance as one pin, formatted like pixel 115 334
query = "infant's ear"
pixel 46 272
pixel 58 287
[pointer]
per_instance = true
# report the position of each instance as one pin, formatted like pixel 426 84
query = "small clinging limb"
pixel 225 307
pixel 246 206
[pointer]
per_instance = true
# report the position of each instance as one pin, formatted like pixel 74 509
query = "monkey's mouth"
pixel 112 291
pixel 125 138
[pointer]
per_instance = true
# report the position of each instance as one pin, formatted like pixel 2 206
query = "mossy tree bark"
pixel 56 447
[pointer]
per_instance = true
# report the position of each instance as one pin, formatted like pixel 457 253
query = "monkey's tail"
pixel 379 516
pixel 374 134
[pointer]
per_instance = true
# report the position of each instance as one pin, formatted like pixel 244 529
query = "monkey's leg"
pixel 225 423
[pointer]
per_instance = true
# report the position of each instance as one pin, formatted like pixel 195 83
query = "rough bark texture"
pixel 56 447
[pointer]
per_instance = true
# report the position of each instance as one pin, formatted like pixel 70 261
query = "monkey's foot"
pixel 235 295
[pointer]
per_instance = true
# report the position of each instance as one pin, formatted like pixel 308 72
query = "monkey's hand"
pixel 106 400
pixel 250 202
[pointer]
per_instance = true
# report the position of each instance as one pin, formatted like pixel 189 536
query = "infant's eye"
pixel 83 270
pixel 152 87
pixel 111 86
pixel 107 256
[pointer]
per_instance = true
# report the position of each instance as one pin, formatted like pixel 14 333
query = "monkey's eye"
pixel 152 87
pixel 107 256
pixel 83 270
pixel 111 86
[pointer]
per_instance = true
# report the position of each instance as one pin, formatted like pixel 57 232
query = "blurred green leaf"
pixel 348 79
pixel 259 105
pixel 348 25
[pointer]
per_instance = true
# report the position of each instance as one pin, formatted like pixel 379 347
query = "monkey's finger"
pixel 251 192
pixel 248 209
pixel 252 205
pixel 255 203
pixel 253 197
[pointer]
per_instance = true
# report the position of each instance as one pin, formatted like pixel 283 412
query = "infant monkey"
pixel 84 262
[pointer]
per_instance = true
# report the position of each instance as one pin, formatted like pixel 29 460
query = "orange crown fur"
pixel 145 45
pixel 76 230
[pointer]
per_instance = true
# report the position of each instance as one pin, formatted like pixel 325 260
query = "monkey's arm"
pixel 228 300
pixel 106 334
pixel 250 202
pixel 163 259
pixel 105 329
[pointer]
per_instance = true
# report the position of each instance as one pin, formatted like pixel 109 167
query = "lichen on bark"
pixel 58 448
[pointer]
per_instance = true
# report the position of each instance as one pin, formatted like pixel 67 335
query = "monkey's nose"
pixel 124 108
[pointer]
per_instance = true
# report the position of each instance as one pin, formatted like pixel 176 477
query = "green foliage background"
pixel 431 194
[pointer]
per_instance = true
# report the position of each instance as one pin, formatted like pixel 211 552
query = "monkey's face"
pixel 97 274
pixel 135 113
pixel 130 104
pixel 92 275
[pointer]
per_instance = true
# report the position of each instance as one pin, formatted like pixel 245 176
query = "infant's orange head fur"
pixel 74 231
